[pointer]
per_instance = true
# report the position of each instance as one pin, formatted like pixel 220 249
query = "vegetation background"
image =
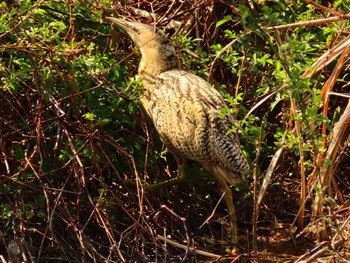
pixel 76 150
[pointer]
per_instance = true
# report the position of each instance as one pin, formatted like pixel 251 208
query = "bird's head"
pixel 158 53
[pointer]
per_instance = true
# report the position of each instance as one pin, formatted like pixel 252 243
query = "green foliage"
pixel 286 65
pixel 67 117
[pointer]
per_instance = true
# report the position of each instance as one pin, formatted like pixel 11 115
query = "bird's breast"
pixel 180 116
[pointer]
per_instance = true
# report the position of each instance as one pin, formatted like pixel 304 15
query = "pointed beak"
pixel 121 23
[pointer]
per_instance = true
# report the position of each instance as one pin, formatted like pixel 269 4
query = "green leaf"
pixel 223 21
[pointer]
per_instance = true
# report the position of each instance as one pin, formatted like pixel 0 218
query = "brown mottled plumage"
pixel 184 109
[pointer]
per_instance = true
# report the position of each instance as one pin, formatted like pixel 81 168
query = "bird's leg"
pixel 232 214
pixel 231 209
pixel 181 176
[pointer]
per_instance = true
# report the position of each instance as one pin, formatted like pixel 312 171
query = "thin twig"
pixel 213 212
pixel 320 21
pixel 323 8
pixel 301 163
pixel 192 250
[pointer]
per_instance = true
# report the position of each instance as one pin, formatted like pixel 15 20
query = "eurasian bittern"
pixel 185 110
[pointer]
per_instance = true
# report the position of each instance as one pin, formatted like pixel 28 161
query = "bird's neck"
pixel 150 69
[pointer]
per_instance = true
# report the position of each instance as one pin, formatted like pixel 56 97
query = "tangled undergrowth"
pixel 76 149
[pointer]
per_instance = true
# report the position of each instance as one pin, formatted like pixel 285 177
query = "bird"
pixel 186 112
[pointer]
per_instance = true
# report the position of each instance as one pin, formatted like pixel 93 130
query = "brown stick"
pixel 320 21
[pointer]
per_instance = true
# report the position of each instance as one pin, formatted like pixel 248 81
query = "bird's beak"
pixel 121 23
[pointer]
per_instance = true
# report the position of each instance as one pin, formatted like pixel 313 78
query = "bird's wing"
pixel 225 145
